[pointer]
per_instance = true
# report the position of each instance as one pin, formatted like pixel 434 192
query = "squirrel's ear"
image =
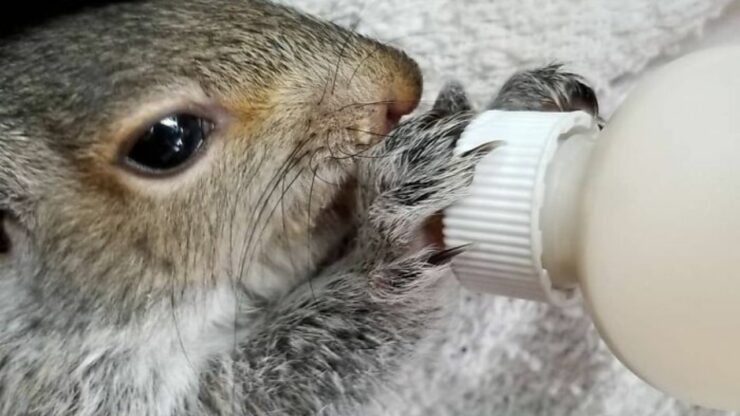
pixel 452 99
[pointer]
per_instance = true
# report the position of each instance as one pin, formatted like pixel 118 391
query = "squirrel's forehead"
pixel 159 21
pixel 92 57
pixel 134 42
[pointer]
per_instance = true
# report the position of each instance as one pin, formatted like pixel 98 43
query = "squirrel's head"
pixel 148 146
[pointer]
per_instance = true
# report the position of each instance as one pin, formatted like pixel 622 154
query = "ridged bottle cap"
pixel 500 219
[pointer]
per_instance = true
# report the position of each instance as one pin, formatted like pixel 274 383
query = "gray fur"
pixel 289 274
pixel 548 88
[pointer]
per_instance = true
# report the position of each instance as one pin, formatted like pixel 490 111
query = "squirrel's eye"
pixel 169 143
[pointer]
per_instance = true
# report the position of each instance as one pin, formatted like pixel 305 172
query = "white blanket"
pixel 515 358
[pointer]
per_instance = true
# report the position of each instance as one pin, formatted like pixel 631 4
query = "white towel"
pixel 514 358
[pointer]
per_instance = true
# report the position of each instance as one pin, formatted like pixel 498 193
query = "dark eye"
pixel 169 143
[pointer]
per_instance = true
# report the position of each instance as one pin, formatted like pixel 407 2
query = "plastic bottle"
pixel 640 222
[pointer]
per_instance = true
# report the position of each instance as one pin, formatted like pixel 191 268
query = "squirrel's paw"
pixel 414 173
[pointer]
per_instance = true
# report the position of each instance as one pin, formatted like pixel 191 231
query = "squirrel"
pixel 221 207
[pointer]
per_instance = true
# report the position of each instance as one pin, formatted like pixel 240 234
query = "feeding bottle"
pixel 639 221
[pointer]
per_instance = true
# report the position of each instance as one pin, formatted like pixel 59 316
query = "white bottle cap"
pixel 501 218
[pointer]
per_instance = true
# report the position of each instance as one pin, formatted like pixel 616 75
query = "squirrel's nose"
pixel 390 114
pixel 404 88
pixel 387 113
pixel 399 108
pixel 390 85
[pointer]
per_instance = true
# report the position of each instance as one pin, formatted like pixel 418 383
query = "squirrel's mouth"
pixel 341 216
pixel 340 219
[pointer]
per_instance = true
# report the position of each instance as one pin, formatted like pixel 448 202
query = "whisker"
pixel 282 196
pixel 369 103
pixel 328 146
pixel 378 46
pixel 339 61
pixel 312 104
pixel 309 230
pixel 178 331
pixel 372 133
pixel 315 166
pixel 349 155
pixel 242 266
pixel 263 203
pixel 232 276
pixel 283 216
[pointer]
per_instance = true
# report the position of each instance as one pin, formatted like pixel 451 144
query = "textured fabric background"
pixel 514 358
